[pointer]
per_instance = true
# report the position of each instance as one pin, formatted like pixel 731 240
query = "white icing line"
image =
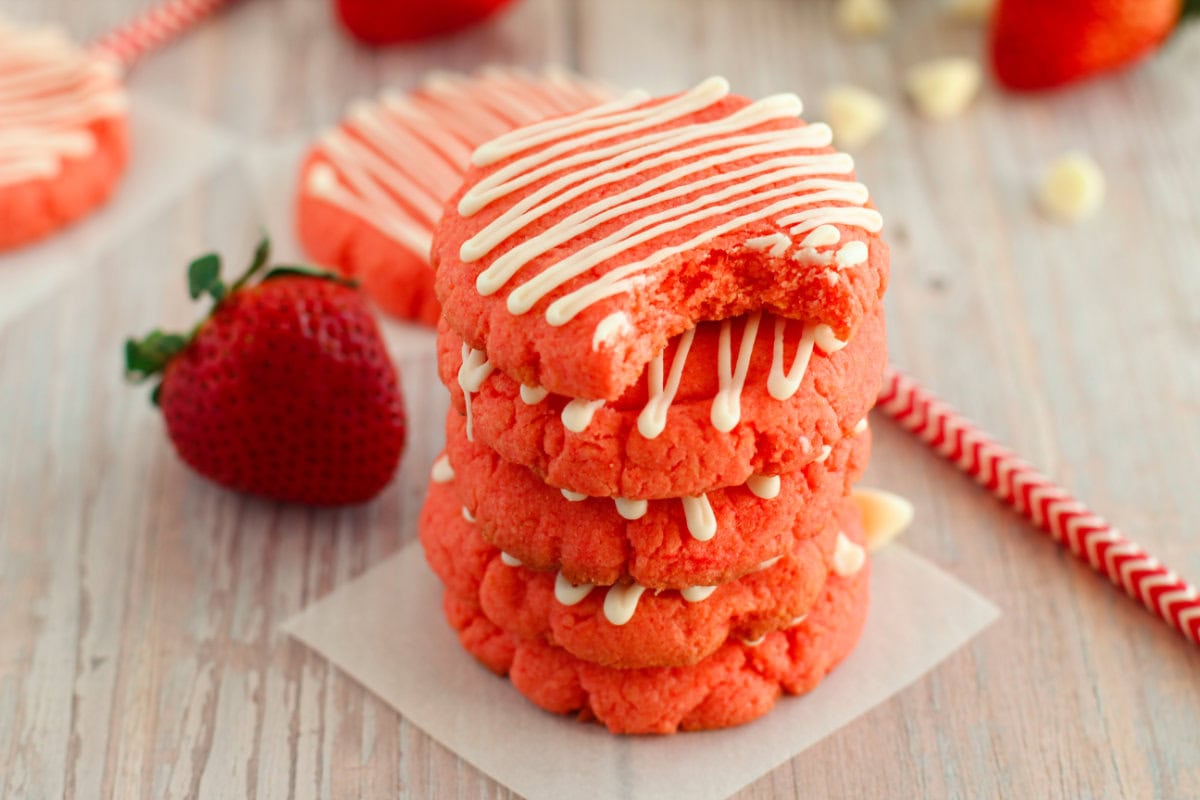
pixel 782 385
pixel 775 244
pixel 508 560
pixel 631 509
pixel 50 93
pixel 701 522
pixel 848 557
pixel 574 497
pixel 653 418
pixel 611 328
pixel 532 395
pixel 696 594
pixel 568 593
pixel 621 602
pixel 467 515
pixel 442 472
pixel 765 487
pixel 770 562
pixel 726 407
pixel 577 414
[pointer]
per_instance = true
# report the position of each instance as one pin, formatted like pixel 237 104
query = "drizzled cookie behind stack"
pixel 662 330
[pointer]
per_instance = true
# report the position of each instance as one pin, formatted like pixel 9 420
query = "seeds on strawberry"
pixel 285 390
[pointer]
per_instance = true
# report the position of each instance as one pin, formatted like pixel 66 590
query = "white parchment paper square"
pixel 386 630
pixel 168 153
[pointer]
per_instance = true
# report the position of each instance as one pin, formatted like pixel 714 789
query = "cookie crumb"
pixel 855 115
pixel 1072 188
pixel 943 88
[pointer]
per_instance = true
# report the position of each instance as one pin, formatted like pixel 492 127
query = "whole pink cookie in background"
pixel 63 132
pixel 372 189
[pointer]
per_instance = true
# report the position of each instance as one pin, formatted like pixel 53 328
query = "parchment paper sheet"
pixel 386 630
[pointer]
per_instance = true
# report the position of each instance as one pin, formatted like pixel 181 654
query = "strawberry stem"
pixel 149 356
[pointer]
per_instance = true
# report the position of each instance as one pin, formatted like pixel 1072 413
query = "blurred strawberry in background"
pixel 1041 44
pixel 392 21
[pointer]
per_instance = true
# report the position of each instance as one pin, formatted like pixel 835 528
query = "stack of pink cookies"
pixel 662 331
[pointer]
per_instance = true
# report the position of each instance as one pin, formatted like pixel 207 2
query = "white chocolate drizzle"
pixel 859 427
pixel 471 375
pixel 776 244
pixel 394 162
pixel 765 487
pixel 848 557
pixel 727 405
pixel 697 594
pixel 794 621
pixel 770 562
pixel 578 414
pixel 701 522
pixel 653 418
pixel 442 472
pixel 610 328
pixel 631 509
pixel 754 642
pixel 532 395
pixel 467 515
pixel 568 593
pixel 717 176
pixel 574 497
pixel 621 602
pixel 825 451
pixel 51 92
pixel 509 560
pixel 662 385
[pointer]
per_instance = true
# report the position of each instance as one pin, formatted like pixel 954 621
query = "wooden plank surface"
pixel 139 650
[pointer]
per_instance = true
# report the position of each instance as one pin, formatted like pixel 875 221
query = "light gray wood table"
pixel 139 648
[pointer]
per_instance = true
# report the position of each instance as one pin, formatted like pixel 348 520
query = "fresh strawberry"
pixel 285 390
pixel 1039 44
pixel 390 21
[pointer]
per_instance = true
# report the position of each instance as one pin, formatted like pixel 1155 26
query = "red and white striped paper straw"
pixel 1047 505
pixel 152 29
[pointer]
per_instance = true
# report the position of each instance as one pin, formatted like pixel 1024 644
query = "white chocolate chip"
pixel 969 10
pixel 854 114
pixel 944 87
pixel 1072 188
pixel 884 515
pixel 864 17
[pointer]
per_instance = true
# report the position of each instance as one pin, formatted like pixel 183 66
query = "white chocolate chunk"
pixel 1072 188
pixel 864 17
pixel 855 115
pixel 885 515
pixel 969 10
pixel 943 88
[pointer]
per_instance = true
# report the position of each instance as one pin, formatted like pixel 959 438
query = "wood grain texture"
pixel 139 648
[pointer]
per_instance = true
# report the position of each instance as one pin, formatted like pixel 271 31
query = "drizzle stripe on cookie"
pixel 50 93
